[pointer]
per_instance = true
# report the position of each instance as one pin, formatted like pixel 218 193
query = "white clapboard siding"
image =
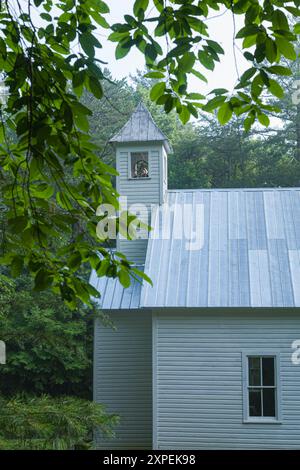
pixel 197 374
pixel 123 378
pixel 145 191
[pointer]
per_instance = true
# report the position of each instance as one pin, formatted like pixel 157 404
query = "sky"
pixel 221 30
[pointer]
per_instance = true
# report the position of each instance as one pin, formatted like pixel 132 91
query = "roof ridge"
pixel 292 188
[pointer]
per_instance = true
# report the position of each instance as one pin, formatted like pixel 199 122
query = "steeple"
pixel 141 161
pixel 141 128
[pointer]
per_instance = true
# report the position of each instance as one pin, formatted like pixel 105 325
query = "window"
pixel 139 165
pixel 261 390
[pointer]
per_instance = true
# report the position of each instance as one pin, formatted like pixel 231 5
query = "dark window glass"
pixel 255 402
pixel 268 371
pixel 269 402
pixel 262 386
pixel 139 165
pixel 254 371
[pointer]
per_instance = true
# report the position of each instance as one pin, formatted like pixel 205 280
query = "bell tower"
pixel 141 161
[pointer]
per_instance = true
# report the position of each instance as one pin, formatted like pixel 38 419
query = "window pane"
pixel 268 371
pixel 139 165
pixel 269 402
pixel 254 371
pixel 255 402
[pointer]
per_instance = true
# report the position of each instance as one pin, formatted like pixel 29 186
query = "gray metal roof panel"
pixel 113 294
pixel 250 256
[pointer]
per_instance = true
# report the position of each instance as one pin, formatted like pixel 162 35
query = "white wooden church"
pixel 207 358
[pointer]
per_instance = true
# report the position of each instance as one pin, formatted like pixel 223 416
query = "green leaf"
pixel 216 46
pixel 157 90
pixel 192 109
pixel 225 113
pixel 244 96
pixel 18 224
pixel 122 49
pixel 16 265
pixel 279 20
pixel 286 48
pixel 248 74
pixel 142 275
pixel 187 61
pixel 199 75
pixel 75 260
pixel 117 37
pixel 169 104
pixel 248 122
pixel 279 70
pixel 139 8
pixel 249 41
pixel 101 6
pixel 95 87
pixel 100 20
pixel 252 13
pixel 46 16
pixel 43 280
pixel 81 290
pixel 87 44
pixel 276 89
pixel 64 201
pixel 263 119
pixel 218 91
pixel 195 96
pixel 81 122
pixel 256 87
pixel 293 10
pixel 42 190
pixel 154 75
pixel 184 115
pixel 214 103
pixel 150 52
pixel 271 50
pixel 206 60
pixel 124 278
pixel 249 30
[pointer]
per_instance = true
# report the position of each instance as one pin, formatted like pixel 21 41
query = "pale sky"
pixel 221 30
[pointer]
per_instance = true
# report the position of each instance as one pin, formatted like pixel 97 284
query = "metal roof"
pixel 113 295
pixel 250 256
pixel 141 128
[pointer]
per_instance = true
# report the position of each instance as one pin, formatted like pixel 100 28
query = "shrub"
pixel 39 423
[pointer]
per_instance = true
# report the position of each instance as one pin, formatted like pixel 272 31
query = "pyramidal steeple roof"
pixel 141 128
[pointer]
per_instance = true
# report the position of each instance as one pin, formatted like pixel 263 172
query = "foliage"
pixel 50 347
pixel 48 140
pixel 62 423
pixel 189 48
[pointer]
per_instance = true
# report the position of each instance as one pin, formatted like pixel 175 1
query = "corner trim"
pixel 154 382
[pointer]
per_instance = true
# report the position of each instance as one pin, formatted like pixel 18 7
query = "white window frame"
pixel 139 150
pixel 245 379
